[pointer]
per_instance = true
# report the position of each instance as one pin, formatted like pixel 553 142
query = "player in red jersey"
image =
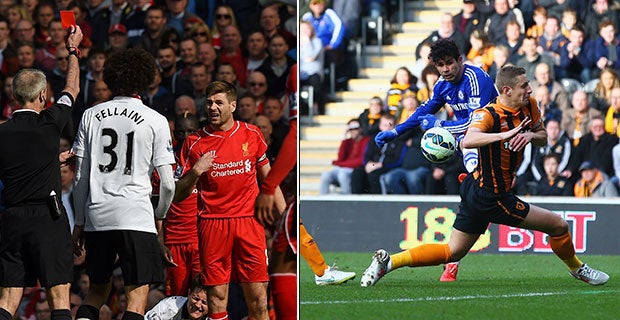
pixel 222 160
pixel 178 233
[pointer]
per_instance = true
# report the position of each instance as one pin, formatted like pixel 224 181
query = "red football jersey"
pixel 180 225
pixel 230 187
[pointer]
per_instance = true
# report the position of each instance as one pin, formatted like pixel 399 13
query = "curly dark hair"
pixel 443 49
pixel 129 72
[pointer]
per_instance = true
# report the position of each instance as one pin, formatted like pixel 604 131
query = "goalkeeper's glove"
pixel 429 121
pixel 384 137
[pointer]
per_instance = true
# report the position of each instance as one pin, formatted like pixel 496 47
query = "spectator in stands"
pixel 273 110
pixel 430 75
pixel 257 87
pixel 601 96
pixel 207 56
pixel 482 51
pixel 568 21
pixel 557 143
pixel 117 39
pixel 157 97
pixel 501 54
pixel 188 52
pixel 58 76
pixel 24 33
pixel 540 18
pixel 550 43
pixel 155 25
pixel 601 11
pixel 513 41
pixel 199 79
pixel 612 117
pixel 177 14
pixel 421 62
pixel 350 156
pixel 573 57
pixel 81 12
pixel 402 81
pixel 446 30
pixel 408 105
pixel 369 118
pixel 96 61
pixel 615 153
pixel 231 51
pixel 45 56
pixel 468 19
pixel 531 58
pixel 552 183
pixel 184 104
pixel 42 310
pixel 270 24
pixel 135 21
pixel 8 54
pixel 166 59
pixel 277 66
pixel 67 173
pixel 273 146
pixel 312 57
pixel 43 15
pixel 101 92
pixel 548 108
pixel 410 177
pixel 200 32
pixel 9 104
pixel 593 183
pixel 226 72
pixel 604 50
pixel 576 120
pixel 378 161
pixel 542 76
pixel 595 146
pixel 98 18
pixel 330 28
pixel 224 16
pixel 351 14
pixel 26 56
pixel 246 109
pixel 16 13
pixel 495 27
pixel 256 45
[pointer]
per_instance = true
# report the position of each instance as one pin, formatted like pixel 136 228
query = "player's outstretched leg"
pixel 377 269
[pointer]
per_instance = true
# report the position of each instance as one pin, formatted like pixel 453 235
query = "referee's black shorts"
pixel 479 207
pixel 139 253
pixel 33 246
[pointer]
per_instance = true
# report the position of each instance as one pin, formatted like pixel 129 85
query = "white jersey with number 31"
pixel 122 140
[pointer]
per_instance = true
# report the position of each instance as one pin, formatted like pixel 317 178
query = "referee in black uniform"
pixel 35 240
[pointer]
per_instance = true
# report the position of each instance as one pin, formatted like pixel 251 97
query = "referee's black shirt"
pixel 29 148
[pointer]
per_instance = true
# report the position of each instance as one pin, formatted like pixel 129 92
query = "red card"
pixel 67 17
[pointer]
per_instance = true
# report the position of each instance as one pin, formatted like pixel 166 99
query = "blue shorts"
pixel 479 207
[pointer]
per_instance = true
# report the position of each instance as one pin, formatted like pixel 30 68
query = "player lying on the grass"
pixel 190 307
pixel 464 88
pixel 499 131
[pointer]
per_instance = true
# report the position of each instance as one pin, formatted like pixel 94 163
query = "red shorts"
pixel 285 234
pixel 232 249
pixel 179 278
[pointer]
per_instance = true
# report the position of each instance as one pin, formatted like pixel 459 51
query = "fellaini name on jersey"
pixel 109 112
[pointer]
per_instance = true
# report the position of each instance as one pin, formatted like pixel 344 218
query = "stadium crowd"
pixel 571 52
pixel 250 44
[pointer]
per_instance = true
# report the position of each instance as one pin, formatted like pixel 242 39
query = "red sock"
pixel 284 293
pixel 218 316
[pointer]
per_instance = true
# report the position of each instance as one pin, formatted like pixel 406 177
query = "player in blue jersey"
pixel 464 88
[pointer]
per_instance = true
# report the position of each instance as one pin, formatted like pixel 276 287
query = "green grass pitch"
pixel 513 286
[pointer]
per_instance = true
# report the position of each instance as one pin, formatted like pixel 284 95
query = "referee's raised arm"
pixel 73 70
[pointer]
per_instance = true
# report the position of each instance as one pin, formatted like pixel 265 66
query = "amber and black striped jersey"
pixel 497 164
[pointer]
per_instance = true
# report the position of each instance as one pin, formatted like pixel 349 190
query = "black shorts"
pixel 33 246
pixel 480 207
pixel 139 253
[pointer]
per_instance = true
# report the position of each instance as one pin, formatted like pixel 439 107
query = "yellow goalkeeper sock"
pixel 310 251
pixel 562 246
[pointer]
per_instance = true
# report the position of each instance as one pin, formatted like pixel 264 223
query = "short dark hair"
pixel 444 48
pixel 216 87
pixel 129 72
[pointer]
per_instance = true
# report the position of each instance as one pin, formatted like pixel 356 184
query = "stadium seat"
pixel 590 85
pixel 571 85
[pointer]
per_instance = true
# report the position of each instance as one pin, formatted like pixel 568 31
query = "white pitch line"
pixel 469 297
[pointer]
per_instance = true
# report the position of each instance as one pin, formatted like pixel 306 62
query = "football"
pixel 438 145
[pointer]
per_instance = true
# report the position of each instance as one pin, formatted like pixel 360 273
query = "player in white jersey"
pixel 118 144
